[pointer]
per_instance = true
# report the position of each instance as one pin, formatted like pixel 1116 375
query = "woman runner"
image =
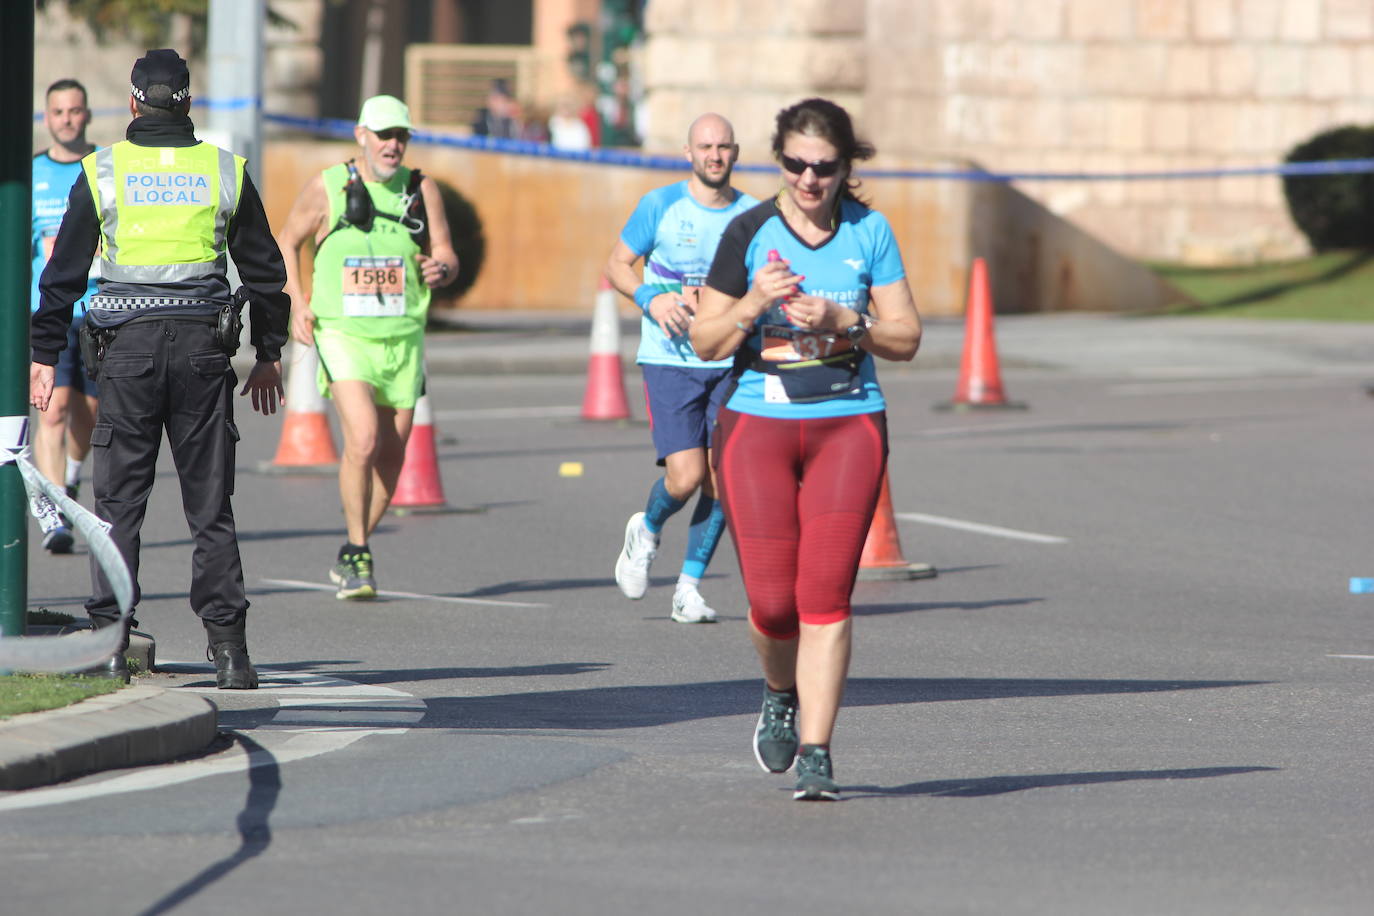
pixel 805 290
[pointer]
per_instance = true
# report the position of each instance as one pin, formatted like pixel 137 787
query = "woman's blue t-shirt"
pixel 860 255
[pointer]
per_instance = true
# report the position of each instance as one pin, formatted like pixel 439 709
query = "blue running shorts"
pixel 682 405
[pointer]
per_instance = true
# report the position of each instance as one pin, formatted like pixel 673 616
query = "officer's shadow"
pixel 255 833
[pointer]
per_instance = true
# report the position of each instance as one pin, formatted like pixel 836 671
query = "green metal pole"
pixel 16 203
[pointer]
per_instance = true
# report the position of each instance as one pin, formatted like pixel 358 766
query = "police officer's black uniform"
pixel 163 365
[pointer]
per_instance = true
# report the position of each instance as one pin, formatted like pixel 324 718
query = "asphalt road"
pixel 1141 687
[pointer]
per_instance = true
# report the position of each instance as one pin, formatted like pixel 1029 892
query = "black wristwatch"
pixel 859 330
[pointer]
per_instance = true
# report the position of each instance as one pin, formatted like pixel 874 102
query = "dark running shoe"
pixel 59 540
pixel 775 737
pixel 815 776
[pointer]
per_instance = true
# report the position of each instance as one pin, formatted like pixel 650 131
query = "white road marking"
pixel 1361 657
pixel 343 712
pixel 1232 384
pixel 309 743
pixel 979 528
pixel 985 428
pixel 320 587
pixel 507 413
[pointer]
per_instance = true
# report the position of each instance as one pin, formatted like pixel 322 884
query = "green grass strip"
pixel 21 693
pixel 1332 286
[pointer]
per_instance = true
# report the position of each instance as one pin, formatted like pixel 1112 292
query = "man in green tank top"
pixel 381 244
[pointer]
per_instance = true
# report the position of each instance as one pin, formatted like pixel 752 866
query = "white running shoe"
pixel 632 567
pixel 690 607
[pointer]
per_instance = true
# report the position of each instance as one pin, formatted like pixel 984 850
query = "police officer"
pixel 166 210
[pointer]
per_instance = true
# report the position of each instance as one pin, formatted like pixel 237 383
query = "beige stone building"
pixel 1059 86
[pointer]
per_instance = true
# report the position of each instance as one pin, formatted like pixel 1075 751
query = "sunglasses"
pixel 823 169
pixel 393 133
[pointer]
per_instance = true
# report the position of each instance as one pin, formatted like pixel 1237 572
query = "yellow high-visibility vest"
pixel 164 210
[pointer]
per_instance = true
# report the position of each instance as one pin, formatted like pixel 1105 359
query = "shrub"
pixel 1333 211
pixel 465 228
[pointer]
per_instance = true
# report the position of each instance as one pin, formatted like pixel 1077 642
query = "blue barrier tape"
pixel 343 128
pixel 340 128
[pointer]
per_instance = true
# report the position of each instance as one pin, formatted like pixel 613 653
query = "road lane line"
pixel 320 587
pixel 983 429
pixel 979 528
pixel 1266 383
pixel 1360 657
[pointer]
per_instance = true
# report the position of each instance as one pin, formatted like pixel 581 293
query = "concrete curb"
pixel 131 727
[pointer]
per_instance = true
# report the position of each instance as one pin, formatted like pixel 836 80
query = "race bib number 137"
pixel 374 287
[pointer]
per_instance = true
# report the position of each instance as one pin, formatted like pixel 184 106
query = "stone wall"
pixel 549 226
pixel 1046 86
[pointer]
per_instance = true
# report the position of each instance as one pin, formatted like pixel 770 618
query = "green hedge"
pixel 469 241
pixel 1333 211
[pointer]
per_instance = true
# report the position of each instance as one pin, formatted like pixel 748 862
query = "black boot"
pixel 228 649
pixel 116 666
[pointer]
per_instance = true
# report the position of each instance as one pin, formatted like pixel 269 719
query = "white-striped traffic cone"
pixel 605 395
pixel 419 486
pixel 306 446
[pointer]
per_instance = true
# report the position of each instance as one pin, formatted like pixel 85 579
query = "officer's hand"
pixel 303 324
pixel 265 383
pixel 41 379
pixel 672 313
pixel 433 272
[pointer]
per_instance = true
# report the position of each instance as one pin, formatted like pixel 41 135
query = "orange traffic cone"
pixel 419 486
pixel 306 446
pixel 882 556
pixel 980 379
pixel 605 395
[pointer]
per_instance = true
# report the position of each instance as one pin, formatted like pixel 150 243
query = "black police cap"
pixel 161 79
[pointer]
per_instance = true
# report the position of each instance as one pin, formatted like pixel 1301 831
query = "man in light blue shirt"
pixel 675 229
pixel 62 438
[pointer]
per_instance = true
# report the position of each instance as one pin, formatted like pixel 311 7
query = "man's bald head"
pixel 712 150
pixel 713 123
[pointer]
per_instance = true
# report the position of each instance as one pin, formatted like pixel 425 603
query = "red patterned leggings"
pixel 799 496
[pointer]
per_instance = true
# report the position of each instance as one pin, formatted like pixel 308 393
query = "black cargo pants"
pixel 168 373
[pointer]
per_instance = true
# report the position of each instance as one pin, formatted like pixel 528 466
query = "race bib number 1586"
pixel 374 287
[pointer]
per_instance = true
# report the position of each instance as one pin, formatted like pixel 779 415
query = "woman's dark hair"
pixel 823 118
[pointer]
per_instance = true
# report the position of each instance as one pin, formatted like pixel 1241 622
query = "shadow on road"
pixel 557 585
pixel 873 610
pixel 255 834
pixel 1000 785
pixel 647 706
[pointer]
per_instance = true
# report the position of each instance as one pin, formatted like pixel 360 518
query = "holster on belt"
pixel 229 327
pixel 94 342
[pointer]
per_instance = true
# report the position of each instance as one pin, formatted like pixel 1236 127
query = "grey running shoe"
pixel 690 607
pixel 632 566
pixel 815 776
pixel 775 738
pixel 353 575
